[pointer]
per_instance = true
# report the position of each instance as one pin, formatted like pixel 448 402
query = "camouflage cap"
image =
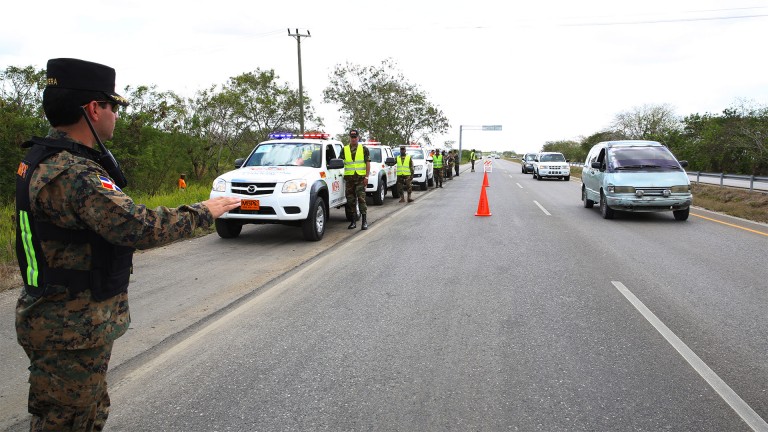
pixel 75 74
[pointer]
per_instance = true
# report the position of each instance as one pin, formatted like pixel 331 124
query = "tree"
pixel 570 149
pixel 382 103
pixel 648 122
pixel 21 117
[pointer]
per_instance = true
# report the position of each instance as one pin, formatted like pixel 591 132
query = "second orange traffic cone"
pixel 485 180
pixel 482 205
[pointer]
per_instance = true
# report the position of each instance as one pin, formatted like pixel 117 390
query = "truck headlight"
pixel 294 186
pixel 680 189
pixel 621 189
pixel 219 185
pixel 418 168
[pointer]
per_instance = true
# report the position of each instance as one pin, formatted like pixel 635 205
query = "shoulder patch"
pixel 22 171
pixel 107 183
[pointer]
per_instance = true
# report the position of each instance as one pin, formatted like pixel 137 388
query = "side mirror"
pixel 390 161
pixel 429 160
pixel 336 164
pixel 596 165
pixel 239 162
pixel 683 164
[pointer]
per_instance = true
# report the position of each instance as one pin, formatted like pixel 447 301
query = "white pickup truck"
pixel 383 174
pixel 290 179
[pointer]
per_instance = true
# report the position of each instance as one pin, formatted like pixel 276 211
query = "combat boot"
pixel 409 197
pixel 402 198
pixel 353 224
pixel 364 225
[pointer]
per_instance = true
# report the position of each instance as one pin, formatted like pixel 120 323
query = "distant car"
pixel 527 162
pixel 635 176
pixel 551 164
pixel 383 174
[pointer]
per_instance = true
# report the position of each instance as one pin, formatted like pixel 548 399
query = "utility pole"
pixel 298 37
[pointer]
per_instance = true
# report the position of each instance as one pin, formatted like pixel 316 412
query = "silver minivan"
pixel 635 176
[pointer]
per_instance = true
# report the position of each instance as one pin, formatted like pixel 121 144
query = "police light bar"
pixel 287 135
pixel 371 142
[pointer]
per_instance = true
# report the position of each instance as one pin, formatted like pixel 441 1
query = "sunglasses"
pixel 115 107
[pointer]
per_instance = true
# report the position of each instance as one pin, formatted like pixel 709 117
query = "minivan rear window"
pixel 627 158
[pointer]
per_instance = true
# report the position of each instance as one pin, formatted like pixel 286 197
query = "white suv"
pixel 551 164
pixel 422 165
pixel 383 174
pixel 290 179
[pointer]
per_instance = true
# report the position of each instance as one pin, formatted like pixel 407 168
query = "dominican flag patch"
pixel 106 183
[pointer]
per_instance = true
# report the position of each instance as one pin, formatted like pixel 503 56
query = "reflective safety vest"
pixel 472 156
pixel 404 166
pixel 437 161
pixel 356 166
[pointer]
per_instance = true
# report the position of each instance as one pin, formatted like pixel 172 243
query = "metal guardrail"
pixel 721 178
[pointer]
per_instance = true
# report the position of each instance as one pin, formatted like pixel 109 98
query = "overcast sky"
pixel 545 70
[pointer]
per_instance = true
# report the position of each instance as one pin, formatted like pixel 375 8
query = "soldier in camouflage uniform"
pixel 71 210
pixel 404 174
pixel 357 166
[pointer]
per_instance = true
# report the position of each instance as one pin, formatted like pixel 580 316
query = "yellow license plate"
pixel 248 204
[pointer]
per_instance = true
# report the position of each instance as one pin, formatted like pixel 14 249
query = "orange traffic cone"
pixel 482 206
pixel 485 180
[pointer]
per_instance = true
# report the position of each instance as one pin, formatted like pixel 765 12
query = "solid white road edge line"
pixel 542 208
pixel 729 396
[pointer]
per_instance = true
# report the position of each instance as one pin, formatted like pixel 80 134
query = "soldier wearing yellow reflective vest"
pixel 404 174
pixel 437 168
pixel 357 166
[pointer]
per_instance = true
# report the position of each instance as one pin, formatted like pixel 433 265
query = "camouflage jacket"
pixel 75 192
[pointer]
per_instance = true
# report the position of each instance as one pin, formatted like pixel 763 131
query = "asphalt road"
pixel 542 316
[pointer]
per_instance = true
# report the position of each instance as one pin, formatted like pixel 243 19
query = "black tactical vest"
pixel 111 265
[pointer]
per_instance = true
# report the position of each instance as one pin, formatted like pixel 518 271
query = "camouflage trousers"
pixel 438 177
pixel 404 184
pixel 68 389
pixel 355 190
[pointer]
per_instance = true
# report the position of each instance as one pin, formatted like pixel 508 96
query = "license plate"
pixel 248 204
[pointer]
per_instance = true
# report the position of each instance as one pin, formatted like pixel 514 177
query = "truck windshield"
pixel 286 154
pixel 630 158
pixel 552 158
pixel 415 153
pixel 375 154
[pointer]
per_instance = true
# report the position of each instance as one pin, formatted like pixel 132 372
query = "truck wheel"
pixel 423 186
pixel 314 225
pixel 228 228
pixel 381 192
pixel 606 211
pixel 395 193
pixel 567 178
pixel 681 215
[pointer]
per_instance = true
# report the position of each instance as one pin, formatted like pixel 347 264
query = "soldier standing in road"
pixel 75 239
pixel 357 166
pixel 449 165
pixel 404 174
pixel 437 169
pixel 473 158
pixel 456 161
